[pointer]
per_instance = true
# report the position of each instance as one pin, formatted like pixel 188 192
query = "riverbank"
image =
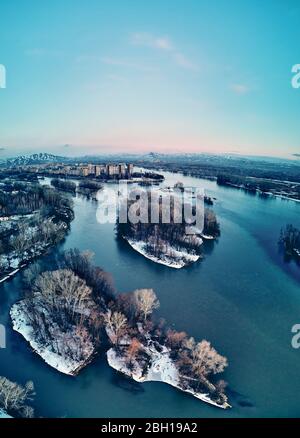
pixel 59 360
pixel 170 257
pixel 161 369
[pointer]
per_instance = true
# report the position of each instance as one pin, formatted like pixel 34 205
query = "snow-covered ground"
pixel 171 257
pixel 60 361
pixel 162 369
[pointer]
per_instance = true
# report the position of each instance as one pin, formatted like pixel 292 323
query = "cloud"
pixel 164 44
pixel 184 62
pixel 126 63
pixel 39 51
pixel 148 40
pixel 240 89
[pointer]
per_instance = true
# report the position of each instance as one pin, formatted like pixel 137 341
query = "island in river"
pixel 171 239
pixel 70 314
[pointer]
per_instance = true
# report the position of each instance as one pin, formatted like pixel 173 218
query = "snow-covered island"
pixel 168 255
pixel 160 368
pixel 162 241
pixel 61 315
pixel 70 312
pixel 33 218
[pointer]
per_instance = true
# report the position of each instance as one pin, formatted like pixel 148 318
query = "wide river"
pixel 242 297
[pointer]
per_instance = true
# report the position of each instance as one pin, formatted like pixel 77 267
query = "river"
pixel 242 297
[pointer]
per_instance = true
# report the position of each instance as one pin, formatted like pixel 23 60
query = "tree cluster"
pixel 64 185
pixel 14 398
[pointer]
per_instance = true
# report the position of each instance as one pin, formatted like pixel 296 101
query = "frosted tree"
pixel 146 302
pixel 117 325
pixel 206 360
pixel 14 397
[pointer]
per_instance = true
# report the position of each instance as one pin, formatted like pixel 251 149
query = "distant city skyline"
pixel 136 77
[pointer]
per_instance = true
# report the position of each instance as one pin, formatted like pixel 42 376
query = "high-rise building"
pixel 99 170
pixel 112 170
pixel 92 169
pixel 129 170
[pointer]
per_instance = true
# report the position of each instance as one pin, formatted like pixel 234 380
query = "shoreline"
pixel 138 247
pixel 58 362
pixel 162 370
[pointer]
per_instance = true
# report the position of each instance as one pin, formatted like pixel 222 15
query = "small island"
pixel 70 314
pixel 289 242
pixel 33 218
pixel 167 242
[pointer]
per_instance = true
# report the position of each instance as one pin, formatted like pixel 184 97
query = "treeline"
pixel 17 198
pixel 64 185
pixel 38 218
pixel 148 175
pixel 89 188
pixel 200 166
pixel 289 240
pixel 241 181
pixel 157 235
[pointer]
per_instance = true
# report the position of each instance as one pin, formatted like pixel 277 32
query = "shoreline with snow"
pixel 172 258
pixel 63 364
pixel 162 370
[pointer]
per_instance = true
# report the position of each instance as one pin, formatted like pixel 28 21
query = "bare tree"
pixel 206 360
pixel 176 339
pixel 146 302
pixel 19 244
pixel 133 350
pixel 13 397
pixel 31 273
pixel 63 290
pixel 117 325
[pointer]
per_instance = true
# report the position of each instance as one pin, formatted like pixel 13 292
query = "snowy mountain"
pixel 40 158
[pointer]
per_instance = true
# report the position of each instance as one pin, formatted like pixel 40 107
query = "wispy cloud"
pixel 40 51
pixel 184 62
pixel 165 44
pixel 148 40
pixel 126 63
pixel 240 89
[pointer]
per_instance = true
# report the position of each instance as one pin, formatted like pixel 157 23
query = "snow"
pixel 207 237
pixel 161 369
pixel 62 363
pixel 171 257
pixel 3 414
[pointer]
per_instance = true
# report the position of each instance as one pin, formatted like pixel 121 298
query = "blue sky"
pixel 100 76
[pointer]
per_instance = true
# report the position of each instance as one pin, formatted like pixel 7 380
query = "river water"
pixel 242 297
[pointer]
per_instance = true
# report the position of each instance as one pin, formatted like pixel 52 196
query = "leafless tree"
pixel 63 290
pixel 117 324
pixel 13 397
pixel 31 273
pixel 206 360
pixel 146 302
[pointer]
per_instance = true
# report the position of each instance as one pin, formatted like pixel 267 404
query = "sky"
pixel 95 76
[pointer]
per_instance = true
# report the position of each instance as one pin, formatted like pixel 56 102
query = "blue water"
pixel 243 298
